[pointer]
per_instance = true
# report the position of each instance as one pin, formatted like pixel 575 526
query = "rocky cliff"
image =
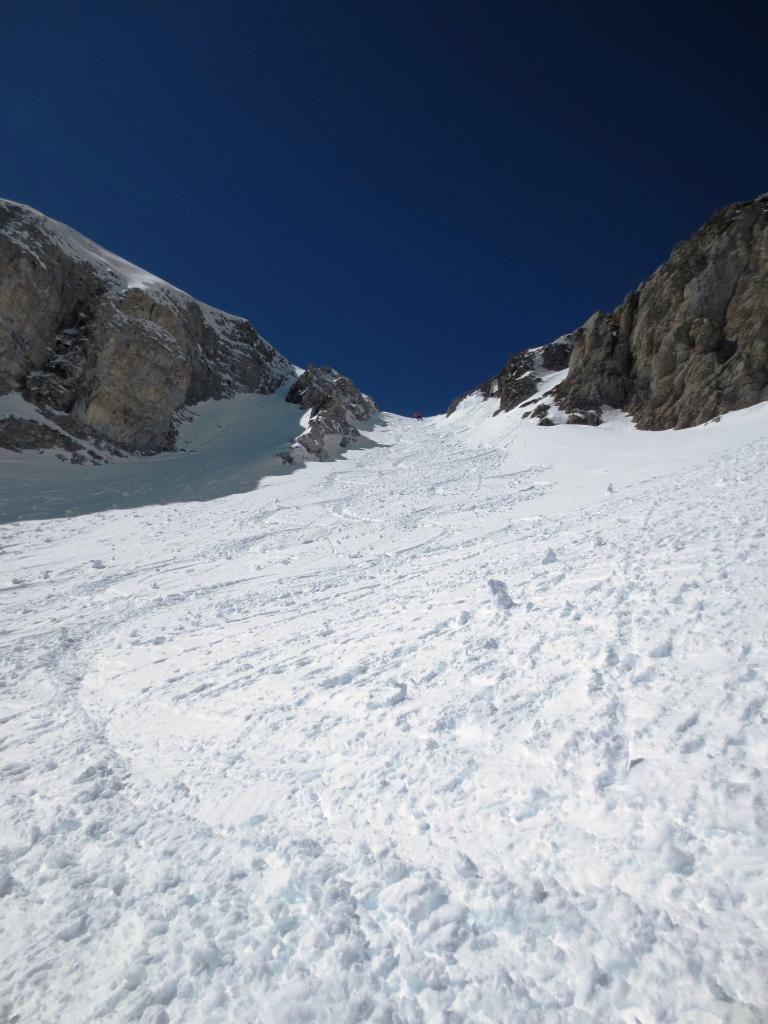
pixel 335 406
pixel 690 344
pixel 108 350
pixel 109 354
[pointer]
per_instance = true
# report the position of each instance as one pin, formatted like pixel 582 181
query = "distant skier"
pixel 418 417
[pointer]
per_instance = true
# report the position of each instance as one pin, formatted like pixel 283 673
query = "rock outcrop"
pixel 689 345
pixel 20 435
pixel 108 350
pixel 521 375
pixel 335 406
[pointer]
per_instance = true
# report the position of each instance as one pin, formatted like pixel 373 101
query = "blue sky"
pixel 408 191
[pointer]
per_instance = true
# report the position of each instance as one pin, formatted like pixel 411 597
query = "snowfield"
pixel 469 726
pixel 223 448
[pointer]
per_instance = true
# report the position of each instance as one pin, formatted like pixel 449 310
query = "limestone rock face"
pixel 689 345
pixel 92 339
pixel 692 342
pixel 336 406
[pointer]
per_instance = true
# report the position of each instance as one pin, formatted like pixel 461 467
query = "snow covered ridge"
pixel 110 355
pixel 519 382
pixel 689 345
pixel 468 727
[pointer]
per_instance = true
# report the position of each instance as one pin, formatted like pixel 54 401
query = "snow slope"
pixel 224 447
pixel 445 731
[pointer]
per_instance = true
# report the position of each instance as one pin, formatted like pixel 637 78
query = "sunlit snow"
pixel 465 727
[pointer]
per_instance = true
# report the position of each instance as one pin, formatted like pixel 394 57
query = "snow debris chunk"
pixel 500 595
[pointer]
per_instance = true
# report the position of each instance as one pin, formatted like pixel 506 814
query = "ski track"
pixel 371 744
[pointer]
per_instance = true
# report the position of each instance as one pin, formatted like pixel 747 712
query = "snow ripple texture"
pixel 425 735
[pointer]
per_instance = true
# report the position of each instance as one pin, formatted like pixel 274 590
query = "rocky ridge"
pixel 521 375
pixel 689 345
pixel 110 354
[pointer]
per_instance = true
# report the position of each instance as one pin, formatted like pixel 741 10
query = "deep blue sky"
pixel 409 191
